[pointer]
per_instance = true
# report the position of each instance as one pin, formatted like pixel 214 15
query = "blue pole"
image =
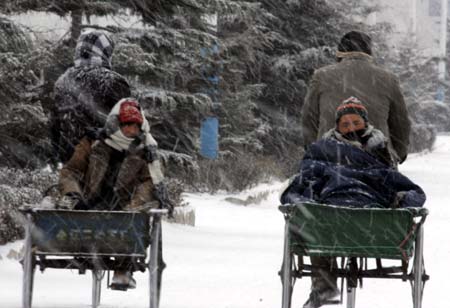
pixel 209 131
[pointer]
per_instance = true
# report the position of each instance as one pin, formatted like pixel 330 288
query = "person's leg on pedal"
pixel 323 282
pixel 123 279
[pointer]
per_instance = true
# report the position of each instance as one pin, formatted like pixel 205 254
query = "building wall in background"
pixel 413 20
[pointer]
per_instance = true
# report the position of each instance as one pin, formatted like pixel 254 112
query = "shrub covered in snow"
pixel 19 187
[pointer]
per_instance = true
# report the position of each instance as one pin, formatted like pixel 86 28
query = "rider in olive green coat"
pixel 357 75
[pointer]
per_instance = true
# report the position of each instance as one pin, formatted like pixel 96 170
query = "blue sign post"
pixel 440 94
pixel 209 143
pixel 209 131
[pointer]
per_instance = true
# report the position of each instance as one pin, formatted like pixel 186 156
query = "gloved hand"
pixel 398 202
pixel 151 153
pixel 160 193
pixel 78 202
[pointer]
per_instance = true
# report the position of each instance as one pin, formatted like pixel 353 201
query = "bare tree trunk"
pixel 75 28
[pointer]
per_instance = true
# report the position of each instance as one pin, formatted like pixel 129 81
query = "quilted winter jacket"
pixel 335 172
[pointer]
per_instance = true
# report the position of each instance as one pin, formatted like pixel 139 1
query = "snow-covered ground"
pixel 230 259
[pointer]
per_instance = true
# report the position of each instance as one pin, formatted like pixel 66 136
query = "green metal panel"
pixel 90 232
pixel 324 230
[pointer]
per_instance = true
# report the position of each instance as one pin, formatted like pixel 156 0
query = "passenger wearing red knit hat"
pixel 116 172
pixel 130 119
pixel 130 113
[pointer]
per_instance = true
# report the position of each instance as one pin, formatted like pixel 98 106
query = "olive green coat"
pixel 357 75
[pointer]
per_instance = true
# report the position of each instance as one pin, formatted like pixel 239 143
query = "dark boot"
pixel 323 282
pixel 123 281
pixel 323 278
pixel 318 298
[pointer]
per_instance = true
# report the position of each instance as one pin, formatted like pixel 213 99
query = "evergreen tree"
pixel 262 53
pixel 150 10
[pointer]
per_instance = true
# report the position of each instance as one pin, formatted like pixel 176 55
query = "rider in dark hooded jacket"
pixel 85 93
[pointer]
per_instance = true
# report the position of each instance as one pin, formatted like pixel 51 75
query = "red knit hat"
pixel 129 113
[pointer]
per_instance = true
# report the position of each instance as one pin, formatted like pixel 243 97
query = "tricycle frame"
pixel 353 269
pixel 98 263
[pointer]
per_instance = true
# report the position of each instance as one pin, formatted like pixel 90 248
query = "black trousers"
pixel 323 277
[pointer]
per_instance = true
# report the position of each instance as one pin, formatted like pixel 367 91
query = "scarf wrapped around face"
pixel 117 140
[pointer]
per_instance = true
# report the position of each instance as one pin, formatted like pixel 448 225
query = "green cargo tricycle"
pixel 354 235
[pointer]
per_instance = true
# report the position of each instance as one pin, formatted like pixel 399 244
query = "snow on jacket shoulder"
pixel 85 93
pixel 83 97
pixel 334 172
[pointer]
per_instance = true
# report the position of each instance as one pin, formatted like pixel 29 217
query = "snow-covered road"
pixel 232 256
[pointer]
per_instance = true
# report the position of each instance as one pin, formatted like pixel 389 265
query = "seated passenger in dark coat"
pixel 352 166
